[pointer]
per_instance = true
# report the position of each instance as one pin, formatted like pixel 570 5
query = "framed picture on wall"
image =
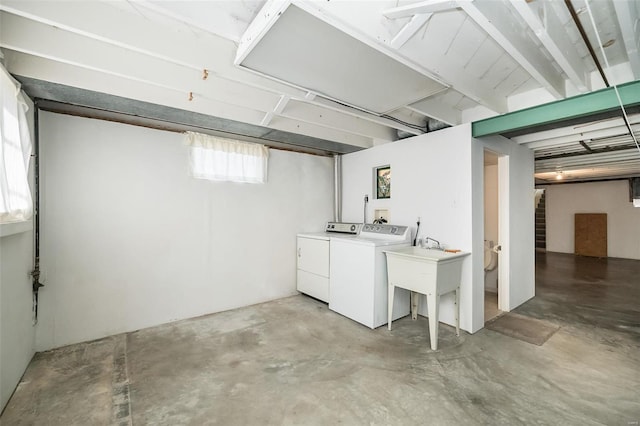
pixel 383 182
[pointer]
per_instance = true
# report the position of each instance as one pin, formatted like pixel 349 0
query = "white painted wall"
pixel 440 178
pixel 16 329
pixel 17 334
pixel 131 241
pixel 491 219
pixel 623 220
pixel 430 179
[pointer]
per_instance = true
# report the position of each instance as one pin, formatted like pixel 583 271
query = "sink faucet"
pixel 437 246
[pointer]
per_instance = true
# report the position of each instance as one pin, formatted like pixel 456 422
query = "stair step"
pixel 541 224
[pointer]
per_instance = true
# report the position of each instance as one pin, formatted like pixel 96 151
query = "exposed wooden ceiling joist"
pixel 494 18
pixel 74 101
pixel 409 30
pixel 550 31
pixel 628 15
pixel 427 6
pixel 183 52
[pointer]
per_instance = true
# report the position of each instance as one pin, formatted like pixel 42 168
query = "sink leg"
pixel 458 311
pixel 415 297
pixel 392 291
pixel 433 302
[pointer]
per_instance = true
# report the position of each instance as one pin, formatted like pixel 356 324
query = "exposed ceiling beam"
pixel 590 174
pixel 466 84
pixel 555 39
pixel 105 84
pixel 71 100
pixel 328 103
pixel 594 130
pixel 306 112
pixel 133 32
pixel 293 126
pixel 37 39
pixel 428 6
pixel 628 15
pixel 184 49
pixel 628 156
pixel 225 24
pixel 586 147
pixel 440 64
pixel 586 151
pixel 409 29
pixel 578 129
pixel 282 102
pixel 496 20
pixel 557 112
pixel 619 131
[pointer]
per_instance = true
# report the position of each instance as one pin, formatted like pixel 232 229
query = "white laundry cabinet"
pixel 313 265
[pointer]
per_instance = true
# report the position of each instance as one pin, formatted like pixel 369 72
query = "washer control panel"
pixel 343 227
pixel 384 229
pixel 385 232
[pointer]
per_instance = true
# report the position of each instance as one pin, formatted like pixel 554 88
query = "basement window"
pixel 15 153
pixel 221 159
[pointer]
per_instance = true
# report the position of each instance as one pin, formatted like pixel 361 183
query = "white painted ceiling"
pixel 493 56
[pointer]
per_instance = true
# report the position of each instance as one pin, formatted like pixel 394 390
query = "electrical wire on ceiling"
pixel 615 86
pixel 397 120
pixel 389 117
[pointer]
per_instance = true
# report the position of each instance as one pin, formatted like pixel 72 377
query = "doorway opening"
pixel 491 236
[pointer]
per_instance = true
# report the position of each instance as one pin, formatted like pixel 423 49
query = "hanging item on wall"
pixel 383 182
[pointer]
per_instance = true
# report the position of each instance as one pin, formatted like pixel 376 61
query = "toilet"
pixel 490 256
pixel 490 267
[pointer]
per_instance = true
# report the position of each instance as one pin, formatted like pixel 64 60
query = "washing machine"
pixel 358 274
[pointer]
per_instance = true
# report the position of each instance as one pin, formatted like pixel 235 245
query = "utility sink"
pixel 429 272
pixel 431 255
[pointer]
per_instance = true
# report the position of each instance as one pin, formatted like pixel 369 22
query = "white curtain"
pixel 216 158
pixel 15 152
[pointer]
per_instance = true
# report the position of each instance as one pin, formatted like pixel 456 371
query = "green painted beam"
pixel 586 105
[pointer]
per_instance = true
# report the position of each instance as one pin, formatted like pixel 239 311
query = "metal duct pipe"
pixel 583 34
pixel 337 188
pixel 433 125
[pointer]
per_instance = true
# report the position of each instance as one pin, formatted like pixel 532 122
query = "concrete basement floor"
pixel 292 361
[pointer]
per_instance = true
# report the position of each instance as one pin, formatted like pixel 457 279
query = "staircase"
pixel 541 225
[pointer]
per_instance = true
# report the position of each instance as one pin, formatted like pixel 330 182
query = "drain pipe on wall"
pixel 35 274
pixel 337 188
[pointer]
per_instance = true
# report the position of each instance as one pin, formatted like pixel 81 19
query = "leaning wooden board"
pixel 591 234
